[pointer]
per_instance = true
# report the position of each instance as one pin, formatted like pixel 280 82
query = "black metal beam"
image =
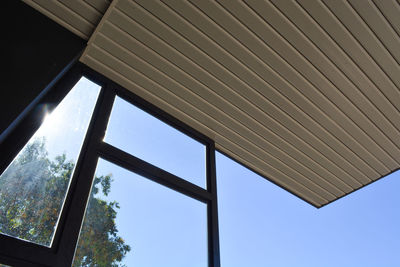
pixel 151 172
pixel 212 209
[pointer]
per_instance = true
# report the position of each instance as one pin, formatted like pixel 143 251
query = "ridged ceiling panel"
pixel 304 92
pixel 80 17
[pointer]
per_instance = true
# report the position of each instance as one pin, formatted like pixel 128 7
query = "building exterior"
pixel 306 94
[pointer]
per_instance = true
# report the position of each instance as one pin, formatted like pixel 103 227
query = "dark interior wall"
pixel 36 50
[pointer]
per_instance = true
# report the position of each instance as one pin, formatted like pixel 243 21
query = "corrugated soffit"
pixel 79 16
pixel 306 93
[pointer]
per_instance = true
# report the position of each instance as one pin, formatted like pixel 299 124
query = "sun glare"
pixel 51 122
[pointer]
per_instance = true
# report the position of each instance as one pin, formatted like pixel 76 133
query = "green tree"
pixel 99 244
pixel 32 192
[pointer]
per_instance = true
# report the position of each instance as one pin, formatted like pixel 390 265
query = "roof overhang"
pixel 305 93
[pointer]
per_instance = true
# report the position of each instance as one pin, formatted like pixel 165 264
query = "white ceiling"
pixel 304 92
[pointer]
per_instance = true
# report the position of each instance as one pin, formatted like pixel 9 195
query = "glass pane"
pixel 33 187
pixel 136 132
pixel 132 221
pixel 264 225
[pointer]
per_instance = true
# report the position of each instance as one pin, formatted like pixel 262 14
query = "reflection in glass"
pixel 133 221
pixel 33 187
pixel 136 132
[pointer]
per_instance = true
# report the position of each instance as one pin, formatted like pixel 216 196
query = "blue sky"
pixel 263 225
pixel 260 223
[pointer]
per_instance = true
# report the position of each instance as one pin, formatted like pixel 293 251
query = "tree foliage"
pixel 99 243
pixel 32 192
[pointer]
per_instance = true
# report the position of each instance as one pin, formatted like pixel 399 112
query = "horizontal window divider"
pixel 141 167
pixel 11 246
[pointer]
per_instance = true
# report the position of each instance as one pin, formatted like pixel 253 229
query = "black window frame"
pixel 17 252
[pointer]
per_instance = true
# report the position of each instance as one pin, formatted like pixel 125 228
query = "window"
pixel 104 183
pixel 146 223
pixel 34 186
pixel 141 134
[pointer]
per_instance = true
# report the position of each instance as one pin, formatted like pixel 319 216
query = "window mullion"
pixel 213 232
pixel 76 202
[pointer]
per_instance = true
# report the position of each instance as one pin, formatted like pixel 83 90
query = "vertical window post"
pixel 213 233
